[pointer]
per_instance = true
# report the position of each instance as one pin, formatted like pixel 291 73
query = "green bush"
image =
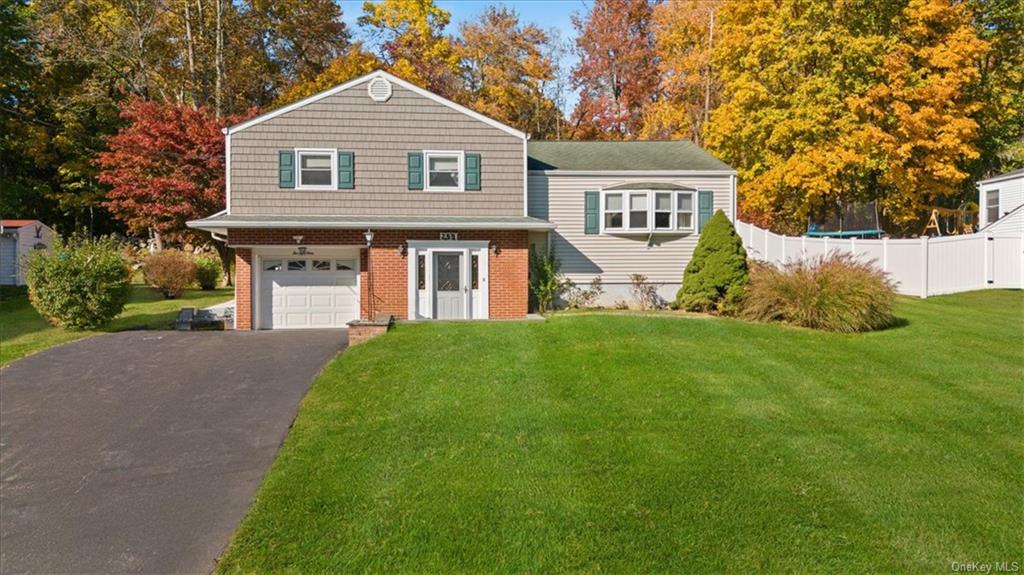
pixel 170 271
pixel 82 284
pixel 717 275
pixel 546 281
pixel 834 293
pixel 207 272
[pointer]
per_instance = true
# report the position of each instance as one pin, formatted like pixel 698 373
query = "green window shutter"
pixel 473 172
pixel 415 170
pixel 346 170
pixel 591 213
pixel 286 168
pixel 705 205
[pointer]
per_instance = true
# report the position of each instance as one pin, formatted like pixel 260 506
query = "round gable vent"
pixel 379 89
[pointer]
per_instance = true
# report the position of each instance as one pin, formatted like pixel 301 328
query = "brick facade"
pixel 387 271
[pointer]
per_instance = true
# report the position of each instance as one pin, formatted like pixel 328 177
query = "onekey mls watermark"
pixel 985 567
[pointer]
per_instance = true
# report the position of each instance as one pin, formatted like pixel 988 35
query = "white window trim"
pixel 653 213
pixel 650 228
pixel 444 153
pixel 299 152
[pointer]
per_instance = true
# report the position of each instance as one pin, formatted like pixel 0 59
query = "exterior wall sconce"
pixel 495 249
pixel 403 249
pixel 368 234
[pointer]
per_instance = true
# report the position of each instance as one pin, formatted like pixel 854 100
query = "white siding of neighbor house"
pixel 1011 196
pixel 559 199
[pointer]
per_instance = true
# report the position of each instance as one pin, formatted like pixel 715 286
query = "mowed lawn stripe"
pixel 620 443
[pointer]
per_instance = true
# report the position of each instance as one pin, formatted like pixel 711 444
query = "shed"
pixel 17 239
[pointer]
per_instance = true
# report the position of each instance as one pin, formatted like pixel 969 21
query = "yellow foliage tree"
pixel 684 39
pixel 505 71
pixel 354 63
pixel 412 42
pixel 844 102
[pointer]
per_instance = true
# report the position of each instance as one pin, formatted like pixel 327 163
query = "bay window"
pixel 648 211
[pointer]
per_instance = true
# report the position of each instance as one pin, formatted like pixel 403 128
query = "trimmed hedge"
pixel 717 275
pixel 82 284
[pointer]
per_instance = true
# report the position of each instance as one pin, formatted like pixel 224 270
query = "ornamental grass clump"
pixel 836 292
pixel 716 277
pixel 82 284
pixel 170 271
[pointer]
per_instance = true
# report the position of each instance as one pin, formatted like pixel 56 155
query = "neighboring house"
pixel 378 196
pixel 999 195
pixel 17 239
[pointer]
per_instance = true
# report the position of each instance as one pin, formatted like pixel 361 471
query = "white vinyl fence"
pixel 920 267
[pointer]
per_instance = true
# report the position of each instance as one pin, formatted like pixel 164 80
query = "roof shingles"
pixel 680 155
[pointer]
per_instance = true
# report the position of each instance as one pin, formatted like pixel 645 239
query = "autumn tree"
pixel 917 117
pixel 350 65
pixel 617 73
pixel 847 102
pixel 684 32
pixel 164 168
pixel 505 71
pixel 412 42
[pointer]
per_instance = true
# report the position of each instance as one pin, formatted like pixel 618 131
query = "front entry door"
pixel 449 291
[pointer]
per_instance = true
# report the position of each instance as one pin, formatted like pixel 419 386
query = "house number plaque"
pixel 449 235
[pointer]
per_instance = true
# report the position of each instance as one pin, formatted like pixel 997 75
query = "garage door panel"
pixel 313 298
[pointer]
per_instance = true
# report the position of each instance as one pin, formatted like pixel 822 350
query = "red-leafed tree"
pixel 164 168
pixel 617 74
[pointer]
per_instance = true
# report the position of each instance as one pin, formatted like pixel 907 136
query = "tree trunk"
pixel 219 63
pixel 191 54
pixel 707 79
pixel 226 256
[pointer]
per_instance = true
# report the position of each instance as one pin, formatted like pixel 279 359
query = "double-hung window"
pixel 663 210
pixel 316 169
pixel 445 171
pixel 684 211
pixel 992 205
pixel 613 212
pixel 638 217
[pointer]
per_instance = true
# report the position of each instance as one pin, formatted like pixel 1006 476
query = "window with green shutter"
pixel 286 168
pixel 705 207
pixel 415 170
pixel 591 212
pixel 473 172
pixel 346 170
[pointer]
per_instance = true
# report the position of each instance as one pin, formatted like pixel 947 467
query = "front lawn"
pixel 611 443
pixel 23 331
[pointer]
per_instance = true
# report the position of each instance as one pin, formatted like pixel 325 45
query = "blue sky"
pixel 548 14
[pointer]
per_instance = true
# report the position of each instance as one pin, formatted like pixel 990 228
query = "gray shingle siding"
pixel 380 134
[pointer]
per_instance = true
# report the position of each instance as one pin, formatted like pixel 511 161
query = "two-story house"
pixel 377 196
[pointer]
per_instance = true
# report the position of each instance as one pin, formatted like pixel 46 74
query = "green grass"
pixel 623 444
pixel 23 331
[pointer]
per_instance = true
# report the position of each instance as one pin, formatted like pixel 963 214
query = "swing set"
pixel 951 222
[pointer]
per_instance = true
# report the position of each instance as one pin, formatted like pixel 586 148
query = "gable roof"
pixel 669 156
pixel 1007 176
pixel 361 80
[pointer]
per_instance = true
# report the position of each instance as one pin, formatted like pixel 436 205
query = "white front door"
pixel 449 293
pixel 308 292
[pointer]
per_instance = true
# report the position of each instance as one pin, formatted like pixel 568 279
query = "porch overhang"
pixel 222 223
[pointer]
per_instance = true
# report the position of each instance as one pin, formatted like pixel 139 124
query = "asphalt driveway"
pixel 140 451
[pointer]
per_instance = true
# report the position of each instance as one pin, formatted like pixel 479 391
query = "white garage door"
pixel 308 292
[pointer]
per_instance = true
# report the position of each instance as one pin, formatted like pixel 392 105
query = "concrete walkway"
pixel 140 451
